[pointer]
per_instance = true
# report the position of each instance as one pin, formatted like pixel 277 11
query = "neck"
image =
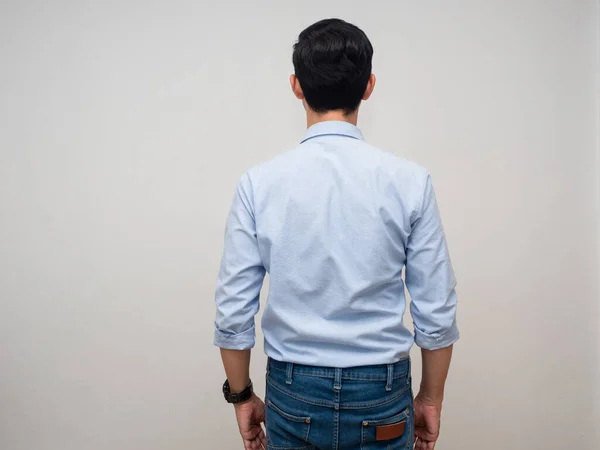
pixel 338 115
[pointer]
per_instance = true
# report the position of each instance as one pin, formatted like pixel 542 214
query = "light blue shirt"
pixel 334 222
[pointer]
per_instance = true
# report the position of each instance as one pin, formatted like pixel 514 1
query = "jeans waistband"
pixel 381 372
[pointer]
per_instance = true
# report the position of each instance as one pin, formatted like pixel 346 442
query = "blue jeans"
pixel 320 408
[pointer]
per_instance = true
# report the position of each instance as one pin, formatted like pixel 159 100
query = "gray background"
pixel 124 127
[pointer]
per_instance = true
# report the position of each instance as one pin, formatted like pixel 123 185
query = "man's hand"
pixel 249 417
pixel 427 422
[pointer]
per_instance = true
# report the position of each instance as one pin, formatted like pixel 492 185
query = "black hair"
pixel 333 61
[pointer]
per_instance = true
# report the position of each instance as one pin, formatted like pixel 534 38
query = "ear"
pixel 296 89
pixel 370 87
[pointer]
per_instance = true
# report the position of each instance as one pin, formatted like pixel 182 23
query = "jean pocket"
pixel 286 431
pixel 389 433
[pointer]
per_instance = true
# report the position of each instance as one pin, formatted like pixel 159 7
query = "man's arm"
pixel 237 298
pixel 428 403
pixel 249 414
pixel 241 275
pixel 435 370
pixel 430 281
pixel 237 368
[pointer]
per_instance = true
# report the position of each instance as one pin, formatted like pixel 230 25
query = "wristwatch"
pixel 240 397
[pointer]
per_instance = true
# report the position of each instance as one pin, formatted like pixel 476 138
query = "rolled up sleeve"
pixel 430 278
pixel 240 276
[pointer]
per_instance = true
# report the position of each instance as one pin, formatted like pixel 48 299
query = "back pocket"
pixel 390 433
pixel 286 431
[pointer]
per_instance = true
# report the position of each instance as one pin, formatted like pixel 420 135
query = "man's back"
pixel 333 220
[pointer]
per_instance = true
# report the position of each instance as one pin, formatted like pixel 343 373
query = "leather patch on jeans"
pixel 387 432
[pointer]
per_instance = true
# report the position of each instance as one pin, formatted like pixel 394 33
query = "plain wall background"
pixel 124 127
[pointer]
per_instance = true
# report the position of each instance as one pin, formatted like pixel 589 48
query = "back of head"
pixel 333 61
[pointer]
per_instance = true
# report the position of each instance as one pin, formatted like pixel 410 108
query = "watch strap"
pixel 239 397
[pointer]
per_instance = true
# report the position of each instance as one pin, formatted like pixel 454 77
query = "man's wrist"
pixel 248 400
pixel 237 397
pixel 430 398
pixel 237 386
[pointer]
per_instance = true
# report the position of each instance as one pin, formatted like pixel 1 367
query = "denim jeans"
pixel 320 408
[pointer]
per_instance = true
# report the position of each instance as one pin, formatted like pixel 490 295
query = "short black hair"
pixel 333 61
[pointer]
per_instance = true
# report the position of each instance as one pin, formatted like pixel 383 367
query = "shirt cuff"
pixel 240 341
pixel 437 341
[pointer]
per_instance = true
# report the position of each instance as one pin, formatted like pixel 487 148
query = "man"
pixel 334 222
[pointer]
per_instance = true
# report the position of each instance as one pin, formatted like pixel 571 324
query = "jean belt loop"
pixel 390 377
pixel 337 381
pixel 289 370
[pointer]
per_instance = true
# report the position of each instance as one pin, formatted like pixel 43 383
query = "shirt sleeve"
pixel 430 278
pixel 240 277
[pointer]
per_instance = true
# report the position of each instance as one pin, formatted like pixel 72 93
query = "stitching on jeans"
pixel 301 398
pixel 375 403
pixel 411 419
pixel 325 373
pixel 411 433
pixel 291 418
pixel 270 446
pixel 301 372
pixel 273 447
pixel 342 406
pixel 336 419
pixel 287 416
pixel 402 375
pixel 344 377
pixel 375 423
pixel 362 437
pixel 398 417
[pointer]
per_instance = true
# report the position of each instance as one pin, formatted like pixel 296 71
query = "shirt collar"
pixel 333 128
